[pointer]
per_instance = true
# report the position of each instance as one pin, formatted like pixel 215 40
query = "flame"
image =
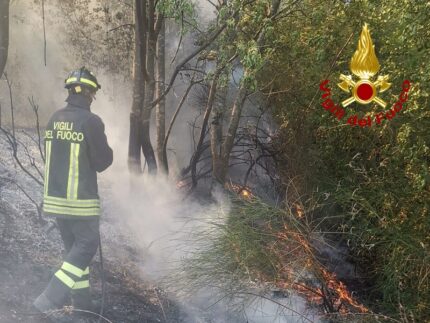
pixel 181 184
pixel 364 63
pixel 299 210
pixel 293 245
pixel 340 297
pixel 335 291
pixel 243 191
pixel 343 295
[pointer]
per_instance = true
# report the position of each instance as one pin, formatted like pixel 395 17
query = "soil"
pixel 30 252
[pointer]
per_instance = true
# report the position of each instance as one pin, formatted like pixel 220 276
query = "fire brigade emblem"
pixel 364 64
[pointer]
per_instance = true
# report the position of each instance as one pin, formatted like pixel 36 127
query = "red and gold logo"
pixel 364 64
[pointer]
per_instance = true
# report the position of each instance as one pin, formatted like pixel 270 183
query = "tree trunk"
pixel 221 163
pixel 173 120
pixel 4 34
pixel 134 144
pixel 236 113
pixel 221 158
pixel 199 149
pixel 161 106
pixel 216 141
pixel 147 148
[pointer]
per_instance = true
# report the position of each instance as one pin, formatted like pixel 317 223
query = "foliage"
pixel 248 23
pixel 377 177
pixel 258 249
pixel 244 249
pixel 375 180
pixel 177 10
pixel 100 33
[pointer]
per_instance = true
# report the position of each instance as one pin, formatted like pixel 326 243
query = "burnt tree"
pixel 146 31
pixel 134 160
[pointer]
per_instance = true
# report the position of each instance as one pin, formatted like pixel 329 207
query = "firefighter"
pixel 76 149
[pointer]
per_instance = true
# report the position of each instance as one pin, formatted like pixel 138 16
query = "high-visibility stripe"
pixel 71 168
pixel 78 272
pixel 66 280
pixel 86 271
pixel 70 210
pixel 74 205
pixel 62 199
pixel 47 165
pixel 73 181
pixel 83 80
pixel 71 203
pixel 82 284
pixel 71 79
pixel 89 82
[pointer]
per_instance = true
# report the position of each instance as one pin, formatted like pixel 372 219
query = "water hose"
pixel 102 277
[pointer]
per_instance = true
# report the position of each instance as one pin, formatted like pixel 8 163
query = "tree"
pixel 245 45
pixel 161 106
pixel 139 65
pixel 374 181
pixel 252 50
pixel 149 77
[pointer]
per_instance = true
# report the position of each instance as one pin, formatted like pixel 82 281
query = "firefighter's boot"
pixel 44 305
pixel 51 310
pixel 81 300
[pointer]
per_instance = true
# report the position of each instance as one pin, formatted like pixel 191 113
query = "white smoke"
pixel 25 65
pixel 147 213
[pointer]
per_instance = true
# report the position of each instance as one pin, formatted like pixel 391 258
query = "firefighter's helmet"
pixel 82 77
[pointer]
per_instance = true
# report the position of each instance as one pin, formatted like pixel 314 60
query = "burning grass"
pixel 267 249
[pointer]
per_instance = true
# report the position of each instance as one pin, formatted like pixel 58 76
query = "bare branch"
pixel 13 142
pixel 11 137
pixel 331 68
pixel 121 26
pixel 9 85
pixel 185 61
pixel 175 115
pixel 180 38
pixel 39 137
pixel 211 99
pixel 37 205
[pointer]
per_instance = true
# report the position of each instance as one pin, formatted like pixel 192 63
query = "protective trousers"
pixel 81 240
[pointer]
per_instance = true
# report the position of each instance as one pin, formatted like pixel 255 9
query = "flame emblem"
pixel 364 64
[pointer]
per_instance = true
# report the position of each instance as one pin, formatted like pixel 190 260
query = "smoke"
pixel 206 11
pixel 25 66
pixel 147 214
pixel 151 215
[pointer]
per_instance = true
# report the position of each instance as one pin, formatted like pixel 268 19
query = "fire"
pixel 364 63
pixel 181 184
pixel 243 191
pixel 294 245
pixel 339 294
pixel 299 210
pixel 333 292
pixel 343 295
pixel 313 295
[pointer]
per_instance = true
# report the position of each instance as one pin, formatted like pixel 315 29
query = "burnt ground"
pixel 30 252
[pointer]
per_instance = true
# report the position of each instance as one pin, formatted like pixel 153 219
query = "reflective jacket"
pixel 75 149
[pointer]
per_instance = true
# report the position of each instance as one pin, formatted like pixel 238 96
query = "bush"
pixel 377 178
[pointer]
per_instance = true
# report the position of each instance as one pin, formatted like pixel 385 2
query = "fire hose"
pixel 102 277
pixel 102 271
